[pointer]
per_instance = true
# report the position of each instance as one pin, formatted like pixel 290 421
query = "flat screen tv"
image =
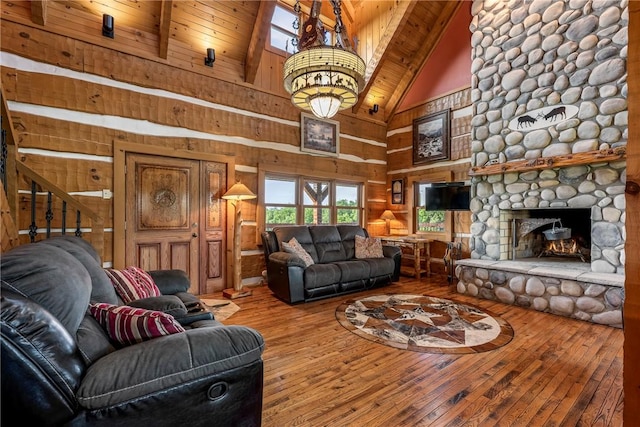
pixel 451 196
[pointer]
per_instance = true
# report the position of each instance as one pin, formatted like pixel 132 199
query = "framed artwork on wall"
pixel 431 138
pixel 319 136
pixel 397 192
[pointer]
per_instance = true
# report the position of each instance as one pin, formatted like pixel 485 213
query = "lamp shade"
pixel 239 191
pixel 387 215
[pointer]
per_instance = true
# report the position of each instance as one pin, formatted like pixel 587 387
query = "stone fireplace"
pixel 549 132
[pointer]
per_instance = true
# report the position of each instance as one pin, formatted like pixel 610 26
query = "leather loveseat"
pixel 60 367
pixel 335 269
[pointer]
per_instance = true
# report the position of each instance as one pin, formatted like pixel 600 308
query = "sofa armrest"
pixel 171 282
pixel 163 365
pixel 285 276
pixel 394 252
pixel 287 259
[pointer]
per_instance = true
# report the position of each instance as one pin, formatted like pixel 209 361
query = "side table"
pixel 420 248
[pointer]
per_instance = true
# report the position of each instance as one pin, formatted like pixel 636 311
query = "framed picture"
pixel 397 192
pixel 431 138
pixel 319 136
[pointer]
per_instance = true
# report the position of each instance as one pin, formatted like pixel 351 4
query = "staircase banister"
pixel 97 228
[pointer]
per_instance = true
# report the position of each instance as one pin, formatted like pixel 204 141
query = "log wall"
pixel 71 100
pixel 456 168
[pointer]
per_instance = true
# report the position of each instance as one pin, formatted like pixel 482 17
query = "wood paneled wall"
pixel 632 244
pixel 70 100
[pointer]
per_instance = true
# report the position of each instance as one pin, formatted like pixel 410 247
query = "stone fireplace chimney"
pixel 549 127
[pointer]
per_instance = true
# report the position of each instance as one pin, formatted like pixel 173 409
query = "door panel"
pixel 176 218
pixel 213 227
pixel 162 214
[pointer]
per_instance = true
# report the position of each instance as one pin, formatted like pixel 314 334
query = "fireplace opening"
pixel 558 233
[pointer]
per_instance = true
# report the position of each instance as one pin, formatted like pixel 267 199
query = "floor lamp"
pixel 388 216
pixel 236 194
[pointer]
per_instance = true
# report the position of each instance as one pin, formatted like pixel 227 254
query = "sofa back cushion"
pixel 101 288
pixel 302 235
pixel 348 234
pixel 328 243
pixel 51 277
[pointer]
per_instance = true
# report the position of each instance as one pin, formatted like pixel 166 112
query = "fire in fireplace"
pixel 565 248
pixel 537 233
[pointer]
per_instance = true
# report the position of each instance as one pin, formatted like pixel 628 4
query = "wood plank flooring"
pixel 555 372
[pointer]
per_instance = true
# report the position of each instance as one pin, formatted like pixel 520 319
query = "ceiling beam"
pixel 39 11
pixel 258 40
pixel 393 31
pixel 165 28
pixel 449 9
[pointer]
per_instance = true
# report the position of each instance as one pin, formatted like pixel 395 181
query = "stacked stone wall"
pixel 587 301
pixel 532 56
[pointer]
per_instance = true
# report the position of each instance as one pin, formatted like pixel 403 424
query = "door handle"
pixel 194 235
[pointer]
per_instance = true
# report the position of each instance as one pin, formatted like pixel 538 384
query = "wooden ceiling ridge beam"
pixel 393 31
pixel 166 10
pixel 258 40
pixel 435 35
pixel 39 11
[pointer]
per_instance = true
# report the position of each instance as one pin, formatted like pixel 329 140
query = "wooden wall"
pixel 71 100
pixel 400 166
pixel 632 244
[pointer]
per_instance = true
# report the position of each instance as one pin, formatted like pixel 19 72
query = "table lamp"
pixel 388 216
pixel 236 194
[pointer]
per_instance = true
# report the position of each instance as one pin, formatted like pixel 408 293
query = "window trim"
pixel 412 183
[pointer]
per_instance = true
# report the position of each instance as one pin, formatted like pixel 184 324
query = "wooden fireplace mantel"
pixel 564 160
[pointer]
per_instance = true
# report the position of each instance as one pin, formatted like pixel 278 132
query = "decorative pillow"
pixel 129 325
pixel 133 283
pixel 368 247
pixel 294 247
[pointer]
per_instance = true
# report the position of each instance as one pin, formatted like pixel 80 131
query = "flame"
pixel 564 246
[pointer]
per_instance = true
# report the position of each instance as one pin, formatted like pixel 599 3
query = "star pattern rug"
pixel 424 324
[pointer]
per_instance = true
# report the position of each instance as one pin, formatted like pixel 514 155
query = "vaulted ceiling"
pixel 395 38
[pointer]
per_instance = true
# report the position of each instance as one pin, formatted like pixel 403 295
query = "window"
pixel 310 201
pixel 427 221
pixel 347 204
pixel 316 202
pixel 282 33
pixel 280 202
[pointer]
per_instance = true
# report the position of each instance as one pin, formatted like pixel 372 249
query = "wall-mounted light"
pixel 210 58
pixel 107 26
pixel 374 109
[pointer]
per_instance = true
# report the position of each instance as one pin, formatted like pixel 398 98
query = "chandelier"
pixel 320 78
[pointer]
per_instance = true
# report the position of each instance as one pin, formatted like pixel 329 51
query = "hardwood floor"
pixel 555 372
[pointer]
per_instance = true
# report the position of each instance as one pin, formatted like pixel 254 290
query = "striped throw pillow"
pixel 129 325
pixel 133 283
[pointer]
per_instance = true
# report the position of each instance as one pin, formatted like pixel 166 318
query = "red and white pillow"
pixel 129 325
pixel 133 283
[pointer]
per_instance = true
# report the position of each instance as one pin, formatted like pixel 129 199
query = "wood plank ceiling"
pixel 178 32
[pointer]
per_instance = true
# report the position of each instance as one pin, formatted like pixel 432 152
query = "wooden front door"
pixel 175 218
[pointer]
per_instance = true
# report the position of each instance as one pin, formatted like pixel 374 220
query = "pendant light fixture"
pixel 320 78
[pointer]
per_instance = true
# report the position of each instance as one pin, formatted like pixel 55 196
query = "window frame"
pixel 268 173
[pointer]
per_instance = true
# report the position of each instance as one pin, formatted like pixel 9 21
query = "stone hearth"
pixel 563 288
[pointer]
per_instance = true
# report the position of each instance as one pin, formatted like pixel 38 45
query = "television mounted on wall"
pixel 449 196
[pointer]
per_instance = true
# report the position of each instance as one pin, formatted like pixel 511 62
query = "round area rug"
pixel 424 324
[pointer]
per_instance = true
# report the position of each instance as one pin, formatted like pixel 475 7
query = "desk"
pixel 420 248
